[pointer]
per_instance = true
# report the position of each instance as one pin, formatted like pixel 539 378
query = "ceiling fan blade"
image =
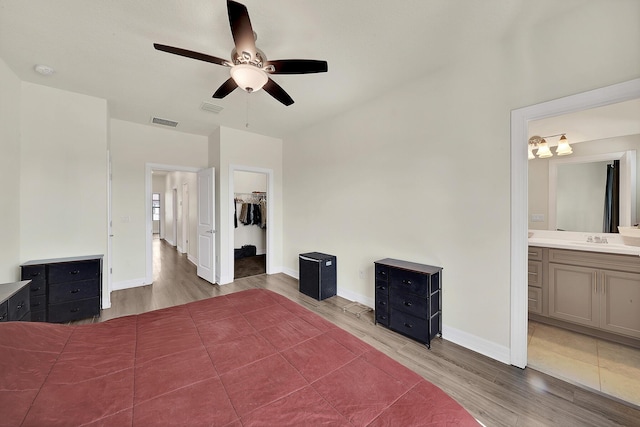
pixel 241 29
pixel 192 54
pixel 225 89
pixel 296 66
pixel 274 89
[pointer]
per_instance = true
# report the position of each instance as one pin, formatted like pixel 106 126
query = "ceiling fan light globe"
pixel 248 77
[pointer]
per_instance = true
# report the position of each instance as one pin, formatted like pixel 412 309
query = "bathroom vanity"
pixel 593 288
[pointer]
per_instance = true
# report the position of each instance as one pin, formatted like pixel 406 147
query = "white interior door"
pixel 206 223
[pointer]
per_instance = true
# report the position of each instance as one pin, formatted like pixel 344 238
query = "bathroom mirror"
pixel 577 191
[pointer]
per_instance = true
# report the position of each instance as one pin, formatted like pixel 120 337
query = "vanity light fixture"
pixel 540 143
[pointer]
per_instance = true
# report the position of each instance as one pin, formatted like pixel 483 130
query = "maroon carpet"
pixel 246 359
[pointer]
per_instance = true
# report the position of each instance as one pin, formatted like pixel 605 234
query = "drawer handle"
pixel 35 304
pixel 408 303
pixel 74 310
pixel 533 253
pixel 35 274
pixel 74 272
pixel 75 291
pixel 383 303
pixel 382 288
pixel 408 325
pixel 35 289
pixel 19 306
pixel 533 274
pixel 382 273
pixel 406 282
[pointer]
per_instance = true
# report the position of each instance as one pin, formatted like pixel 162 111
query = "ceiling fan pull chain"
pixel 247 124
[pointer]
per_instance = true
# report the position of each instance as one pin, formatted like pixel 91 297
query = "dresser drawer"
pixel 73 310
pixel 35 273
pixel 4 311
pixel 410 326
pixel 38 302
pixel 409 303
pixel 382 286
pixel 39 316
pixel 73 271
pixel 71 291
pixel 382 272
pixel 19 304
pixel 409 281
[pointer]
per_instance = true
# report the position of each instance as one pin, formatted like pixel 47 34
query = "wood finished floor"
pixel 495 393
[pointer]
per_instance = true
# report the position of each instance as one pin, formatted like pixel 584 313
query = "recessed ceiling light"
pixel 45 70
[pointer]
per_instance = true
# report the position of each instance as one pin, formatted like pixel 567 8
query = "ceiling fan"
pixel 250 68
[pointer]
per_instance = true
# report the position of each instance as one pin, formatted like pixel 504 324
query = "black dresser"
pixel 14 302
pixel 408 298
pixel 64 289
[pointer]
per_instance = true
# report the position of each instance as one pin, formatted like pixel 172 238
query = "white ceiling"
pixel 105 49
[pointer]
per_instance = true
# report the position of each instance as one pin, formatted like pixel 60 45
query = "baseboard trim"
pixel 464 339
pixel 477 344
pixel 128 284
pixel 193 260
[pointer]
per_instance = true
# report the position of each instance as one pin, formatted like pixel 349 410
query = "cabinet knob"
pixel 406 282
pixel 74 310
pixel 35 274
pixel 35 289
pixel 75 291
pixel 408 303
pixel 408 325
pixel 74 272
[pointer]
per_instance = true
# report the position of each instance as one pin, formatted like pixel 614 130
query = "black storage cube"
pixel 317 275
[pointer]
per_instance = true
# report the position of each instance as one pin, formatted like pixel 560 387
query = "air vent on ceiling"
pixel 207 106
pixel 163 122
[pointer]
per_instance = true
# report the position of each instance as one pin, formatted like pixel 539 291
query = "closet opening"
pixel 250 223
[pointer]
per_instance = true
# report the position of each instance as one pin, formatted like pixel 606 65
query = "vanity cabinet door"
pixel 573 294
pixel 620 302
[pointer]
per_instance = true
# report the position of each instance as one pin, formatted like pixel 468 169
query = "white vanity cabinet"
pixel 597 290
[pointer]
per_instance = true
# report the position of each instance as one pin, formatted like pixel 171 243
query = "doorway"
pixel 172 223
pixel 519 195
pixel 250 223
pixel 263 177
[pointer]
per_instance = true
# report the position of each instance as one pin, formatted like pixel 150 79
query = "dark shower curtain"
pixel 612 198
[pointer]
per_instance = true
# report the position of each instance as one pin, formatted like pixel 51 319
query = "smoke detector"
pixel 45 70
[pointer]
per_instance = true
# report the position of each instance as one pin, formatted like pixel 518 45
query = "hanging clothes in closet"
pixel 253 209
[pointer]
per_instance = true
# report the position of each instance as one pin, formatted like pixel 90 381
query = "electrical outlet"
pixel 537 217
pixel 361 274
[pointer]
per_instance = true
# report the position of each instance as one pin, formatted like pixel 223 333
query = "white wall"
pixel 10 102
pixel 248 182
pixel 134 145
pixel 422 174
pixel 252 150
pixel 63 174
